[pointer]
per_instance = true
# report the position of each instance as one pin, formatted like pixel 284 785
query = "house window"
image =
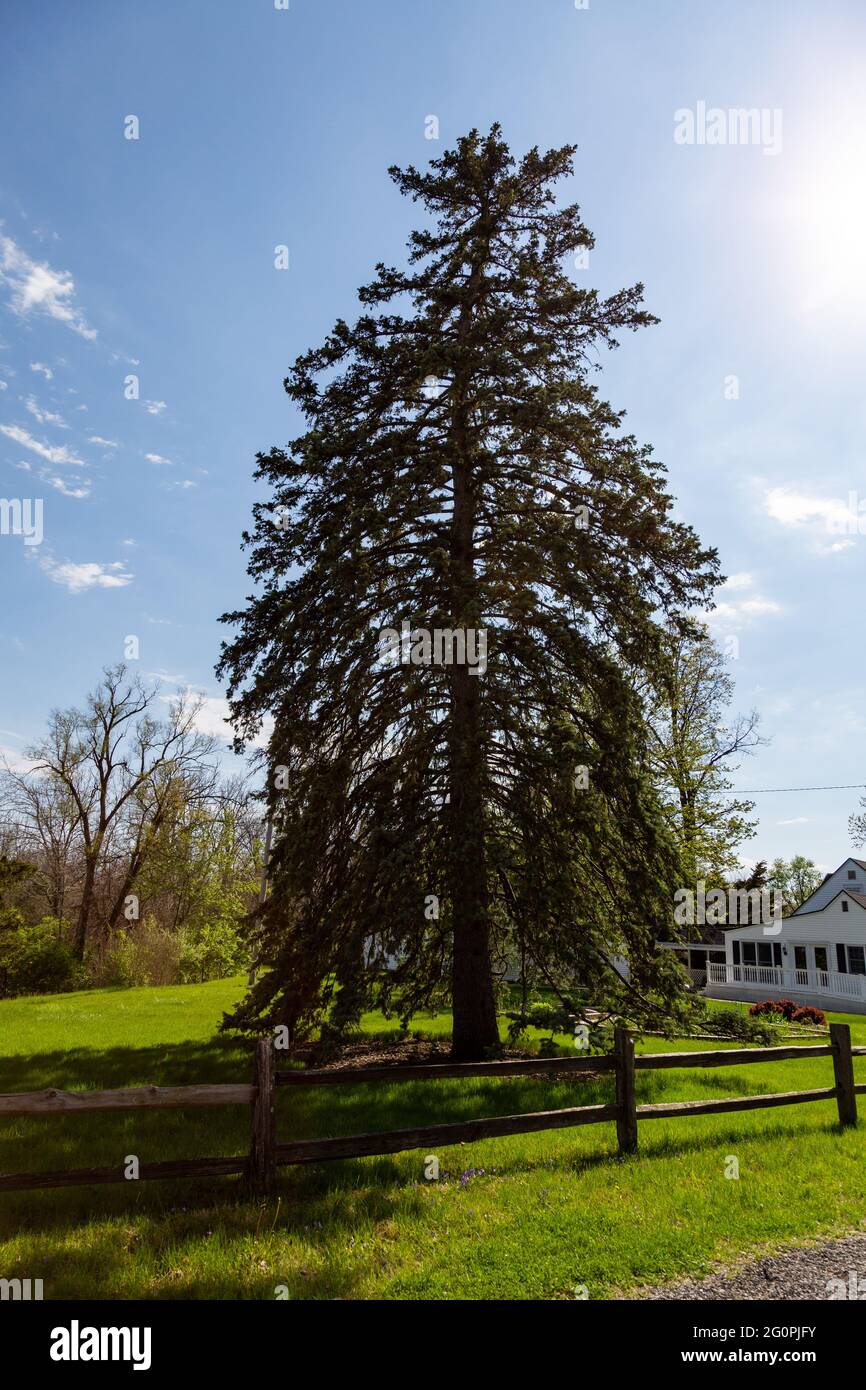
pixel 736 949
pixel 844 904
pixel 841 965
pixel 800 962
pixel 857 960
pixel 749 957
pixel 852 873
pixel 765 953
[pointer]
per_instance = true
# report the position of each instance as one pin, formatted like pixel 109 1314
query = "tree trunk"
pixel 79 939
pixel 475 1028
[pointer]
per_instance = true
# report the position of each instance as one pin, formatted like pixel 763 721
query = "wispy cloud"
pixel 740 604
pixel 106 443
pixel 154 407
pixel 66 486
pixel 77 578
pixel 45 417
pixel 52 453
pixel 821 516
pixel 34 286
pixel 156 458
pixel 41 368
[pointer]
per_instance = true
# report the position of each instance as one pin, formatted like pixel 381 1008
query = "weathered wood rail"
pixel 266 1154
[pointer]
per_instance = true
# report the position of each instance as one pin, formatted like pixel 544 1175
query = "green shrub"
pixel 37 959
pixel 731 1023
pixel 144 954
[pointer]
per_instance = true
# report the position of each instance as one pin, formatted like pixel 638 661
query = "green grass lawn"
pixel 531 1216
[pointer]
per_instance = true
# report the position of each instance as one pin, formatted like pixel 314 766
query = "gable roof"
pixel 799 911
pixel 859 898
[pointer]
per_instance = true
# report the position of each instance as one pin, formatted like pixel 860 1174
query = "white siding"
pixel 827 927
pixel 838 879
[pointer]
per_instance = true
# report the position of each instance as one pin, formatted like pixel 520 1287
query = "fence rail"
pixel 265 1155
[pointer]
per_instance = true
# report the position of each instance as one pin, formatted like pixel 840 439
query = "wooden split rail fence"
pixel 265 1155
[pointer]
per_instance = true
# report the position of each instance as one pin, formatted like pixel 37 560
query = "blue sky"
pixel 261 127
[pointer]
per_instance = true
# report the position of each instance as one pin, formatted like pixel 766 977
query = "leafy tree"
pixel 693 751
pixel 795 879
pixel 460 472
pixel 857 824
pixel 12 873
pixel 120 768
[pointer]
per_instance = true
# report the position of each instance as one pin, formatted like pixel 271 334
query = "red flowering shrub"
pixel 808 1014
pixel 789 1011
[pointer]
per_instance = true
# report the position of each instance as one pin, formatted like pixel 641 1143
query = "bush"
pixel 730 1023
pixel 37 960
pixel 775 1008
pixel 789 1011
pixel 809 1014
pixel 146 954
pixel 212 951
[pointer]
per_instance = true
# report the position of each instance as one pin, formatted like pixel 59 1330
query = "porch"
pixel 824 988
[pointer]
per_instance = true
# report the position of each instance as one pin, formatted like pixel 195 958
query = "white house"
pixel 816 956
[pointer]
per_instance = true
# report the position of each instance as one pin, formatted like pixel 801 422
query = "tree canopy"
pixel 460 473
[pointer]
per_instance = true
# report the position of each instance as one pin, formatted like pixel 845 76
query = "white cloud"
pixel 52 453
pixel 61 484
pixel 45 417
pixel 13 760
pixel 43 370
pixel 129 541
pixel 743 608
pixel 818 516
pixel 4 385
pixel 156 458
pixel 795 820
pixel 154 407
pixel 88 575
pixel 34 285
pixel 106 443
pixel 792 508
pixel 739 581
pixel 211 719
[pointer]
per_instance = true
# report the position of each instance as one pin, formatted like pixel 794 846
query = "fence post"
pixel 626 1120
pixel 262 1167
pixel 843 1070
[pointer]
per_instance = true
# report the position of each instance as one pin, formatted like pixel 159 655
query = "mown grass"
pixel 531 1216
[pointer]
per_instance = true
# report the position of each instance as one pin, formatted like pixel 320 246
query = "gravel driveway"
pixel 794 1274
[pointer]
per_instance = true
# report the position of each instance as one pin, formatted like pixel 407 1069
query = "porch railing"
pixel 830 982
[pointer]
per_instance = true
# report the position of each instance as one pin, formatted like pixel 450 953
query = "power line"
pixel 756 791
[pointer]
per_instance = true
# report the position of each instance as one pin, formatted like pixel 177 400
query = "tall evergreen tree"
pixel 459 472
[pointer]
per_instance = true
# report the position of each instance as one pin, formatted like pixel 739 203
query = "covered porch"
pixel 825 988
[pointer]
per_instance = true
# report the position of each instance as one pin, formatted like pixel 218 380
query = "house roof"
pixel 861 863
pixel 859 898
